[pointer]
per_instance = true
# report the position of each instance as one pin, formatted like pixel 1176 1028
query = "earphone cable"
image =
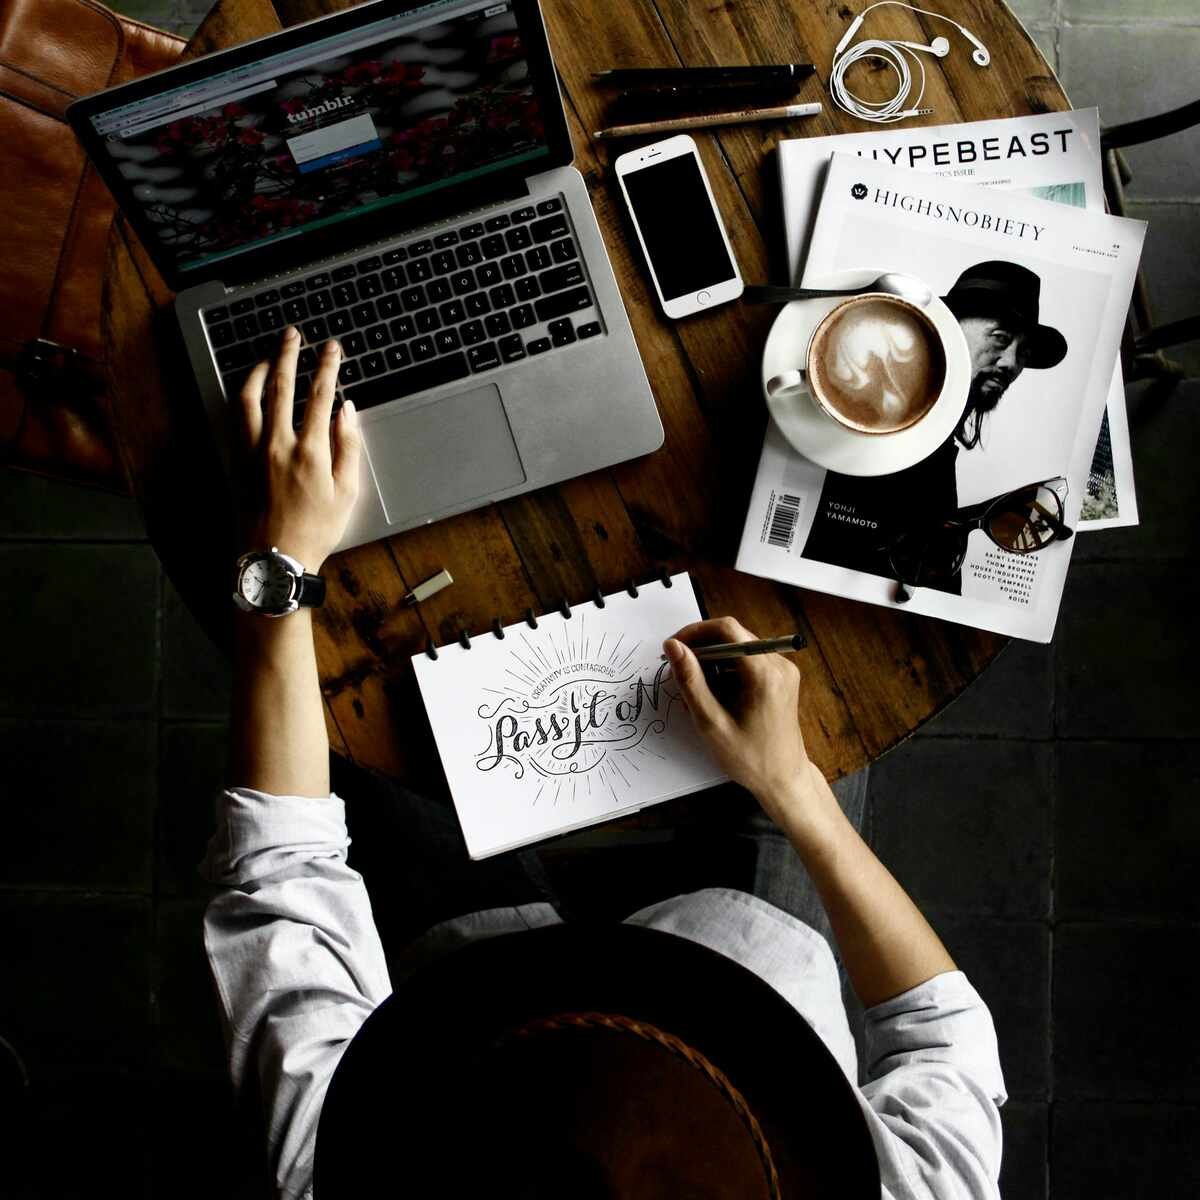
pixel 879 111
pixel 894 54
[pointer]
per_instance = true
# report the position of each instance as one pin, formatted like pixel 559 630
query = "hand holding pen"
pixel 778 645
pixel 752 730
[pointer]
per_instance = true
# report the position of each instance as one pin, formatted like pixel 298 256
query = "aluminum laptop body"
pixel 397 176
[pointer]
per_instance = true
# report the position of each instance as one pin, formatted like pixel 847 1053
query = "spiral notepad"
pixel 566 719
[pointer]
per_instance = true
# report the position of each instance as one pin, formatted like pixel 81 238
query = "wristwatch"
pixel 274 584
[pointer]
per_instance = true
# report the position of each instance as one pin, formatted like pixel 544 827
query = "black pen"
pixel 778 645
pixel 770 73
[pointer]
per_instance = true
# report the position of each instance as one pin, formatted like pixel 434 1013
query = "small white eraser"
pixel 431 586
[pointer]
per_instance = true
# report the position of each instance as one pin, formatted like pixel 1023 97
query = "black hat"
pixel 1009 290
pixel 591 1062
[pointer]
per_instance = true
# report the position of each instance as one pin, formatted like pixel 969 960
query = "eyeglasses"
pixel 1022 521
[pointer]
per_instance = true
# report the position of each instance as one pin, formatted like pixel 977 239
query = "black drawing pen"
pixel 778 645
pixel 768 73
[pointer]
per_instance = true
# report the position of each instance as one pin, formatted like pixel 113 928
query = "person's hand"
pixel 298 488
pixel 752 730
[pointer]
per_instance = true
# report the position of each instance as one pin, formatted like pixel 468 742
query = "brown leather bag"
pixel 56 214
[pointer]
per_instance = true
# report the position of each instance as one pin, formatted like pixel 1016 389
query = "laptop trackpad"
pixel 443 454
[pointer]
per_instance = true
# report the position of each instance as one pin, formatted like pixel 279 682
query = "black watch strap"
pixel 310 592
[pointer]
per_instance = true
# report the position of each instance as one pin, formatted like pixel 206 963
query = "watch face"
pixel 266 584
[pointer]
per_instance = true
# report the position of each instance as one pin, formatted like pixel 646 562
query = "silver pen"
pixel 741 117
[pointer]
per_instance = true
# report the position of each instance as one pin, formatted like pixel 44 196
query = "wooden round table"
pixel 873 674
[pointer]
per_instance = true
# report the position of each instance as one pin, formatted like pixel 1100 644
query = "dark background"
pixel 1047 822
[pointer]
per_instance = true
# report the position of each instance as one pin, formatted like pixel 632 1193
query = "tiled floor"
pixel 1046 821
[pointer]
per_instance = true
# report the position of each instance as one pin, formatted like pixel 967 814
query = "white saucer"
pixel 819 437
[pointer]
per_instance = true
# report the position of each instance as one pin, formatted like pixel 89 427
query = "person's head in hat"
pixel 996 304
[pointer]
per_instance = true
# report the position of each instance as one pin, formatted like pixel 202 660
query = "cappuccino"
pixel 876 364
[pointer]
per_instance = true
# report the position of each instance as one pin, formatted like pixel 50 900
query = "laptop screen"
pixel 316 135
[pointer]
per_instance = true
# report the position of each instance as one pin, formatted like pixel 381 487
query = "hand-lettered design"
pixel 573 716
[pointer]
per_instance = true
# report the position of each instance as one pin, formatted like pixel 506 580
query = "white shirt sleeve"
pixel 933 1092
pixel 296 958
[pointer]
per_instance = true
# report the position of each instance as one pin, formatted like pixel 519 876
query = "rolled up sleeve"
pixel 295 956
pixel 933 1092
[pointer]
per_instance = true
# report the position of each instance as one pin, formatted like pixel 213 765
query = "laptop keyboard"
pixel 432 311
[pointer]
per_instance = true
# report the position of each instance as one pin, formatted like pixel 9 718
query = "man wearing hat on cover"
pixel 697 1048
pixel 997 307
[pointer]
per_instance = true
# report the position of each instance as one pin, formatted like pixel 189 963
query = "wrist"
pixel 803 807
pixel 253 630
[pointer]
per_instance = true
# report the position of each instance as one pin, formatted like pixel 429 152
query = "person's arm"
pixel 885 942
pixel 291 940
pixel 933 1080
pixel 297 494
pixel 296 960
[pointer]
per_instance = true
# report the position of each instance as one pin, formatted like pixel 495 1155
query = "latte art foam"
pixel 876 364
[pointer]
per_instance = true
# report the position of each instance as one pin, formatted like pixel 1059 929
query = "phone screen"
pixel 679 226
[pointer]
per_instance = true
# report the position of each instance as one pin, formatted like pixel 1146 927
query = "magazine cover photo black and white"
pixel 1054 156
pixel 1039 292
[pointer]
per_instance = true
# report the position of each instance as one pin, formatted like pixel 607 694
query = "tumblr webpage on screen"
pixel 334 129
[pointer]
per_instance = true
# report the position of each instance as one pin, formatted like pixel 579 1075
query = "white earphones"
pixel 939 46
pixel 894 54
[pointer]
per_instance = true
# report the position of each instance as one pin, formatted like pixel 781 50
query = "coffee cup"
pixel 875 364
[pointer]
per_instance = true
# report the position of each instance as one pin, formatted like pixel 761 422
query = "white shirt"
pixel 299 967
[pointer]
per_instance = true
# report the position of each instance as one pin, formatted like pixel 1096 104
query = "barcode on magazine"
pixel 781 520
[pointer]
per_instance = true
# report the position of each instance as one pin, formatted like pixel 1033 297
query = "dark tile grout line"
pixel 1131 1100
pixel 55 717
pixel 1156 23
pixel 156 1049
pixel 1093 921
pixel 1052 917
pixel 50 540
pixel 83 892
pixel 1072 739
pixel 1138 560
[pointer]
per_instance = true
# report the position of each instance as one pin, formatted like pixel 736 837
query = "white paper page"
pixel 574 722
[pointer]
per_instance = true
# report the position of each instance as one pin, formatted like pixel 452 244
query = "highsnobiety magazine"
pixel 1070 273
pixel 1055 156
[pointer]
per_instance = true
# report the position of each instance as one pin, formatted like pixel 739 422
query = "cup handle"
pixel 787 394
pixel 786 381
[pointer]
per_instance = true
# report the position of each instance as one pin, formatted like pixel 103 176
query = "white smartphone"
pixel 686 247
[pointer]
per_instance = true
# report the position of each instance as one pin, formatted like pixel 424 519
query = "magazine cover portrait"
pixel 1018 424
pixel 1039 290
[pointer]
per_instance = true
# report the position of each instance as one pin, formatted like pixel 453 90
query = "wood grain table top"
pixel 872 675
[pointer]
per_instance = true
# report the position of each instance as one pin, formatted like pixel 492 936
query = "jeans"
pixel 411 853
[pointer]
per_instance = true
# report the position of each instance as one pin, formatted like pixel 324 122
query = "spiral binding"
pixel 597 598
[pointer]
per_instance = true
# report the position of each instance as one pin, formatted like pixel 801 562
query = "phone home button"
pixel 703 297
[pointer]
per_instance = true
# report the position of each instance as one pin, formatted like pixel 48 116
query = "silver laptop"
pixel 397 176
